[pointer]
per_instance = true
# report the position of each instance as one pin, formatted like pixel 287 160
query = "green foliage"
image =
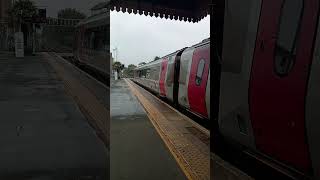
pixel 117 66
pixel 70 13
pixel 22 9
pixel 128 72
pixel 131 66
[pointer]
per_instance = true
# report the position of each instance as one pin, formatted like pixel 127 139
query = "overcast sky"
pixel 141 38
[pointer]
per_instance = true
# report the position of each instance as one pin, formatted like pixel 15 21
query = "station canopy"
pixel 186 10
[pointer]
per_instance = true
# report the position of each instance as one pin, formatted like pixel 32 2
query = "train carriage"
pixel 269 88
pixel 91 43
pixel 181 77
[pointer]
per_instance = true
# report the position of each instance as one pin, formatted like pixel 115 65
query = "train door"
pixel 279 76
pixel 176 76
pixel 198 80
pixel 163 71
pixel 169 77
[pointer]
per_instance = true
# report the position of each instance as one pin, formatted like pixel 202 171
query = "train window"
pixel 200 70
pixel 153 73
pixel 286 43
pixel 156 72
pixel 148 73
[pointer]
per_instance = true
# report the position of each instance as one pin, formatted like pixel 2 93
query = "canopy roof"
pixel 97 20
pixel 100 5
pixel 187 10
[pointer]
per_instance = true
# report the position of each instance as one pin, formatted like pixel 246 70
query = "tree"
pixel 129 72
pixel 131 66
pixel 117 66
pixel 70 13
pixel 21 10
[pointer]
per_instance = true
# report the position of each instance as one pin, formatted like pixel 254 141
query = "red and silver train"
pixel 270 81
pixel 182 77
pixel 91 42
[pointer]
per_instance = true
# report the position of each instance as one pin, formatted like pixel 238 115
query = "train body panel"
pixel 185 66
pixel 170 77
pixel 238 48
pixel 198 77
pixel 163 77
pixel 279 78
pixel 269 90
pixel 208 96
pixel 312 108
pixel 149 76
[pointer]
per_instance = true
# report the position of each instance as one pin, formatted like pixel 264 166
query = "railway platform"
pixel 44 133
pixel 187 142
pixel 138 152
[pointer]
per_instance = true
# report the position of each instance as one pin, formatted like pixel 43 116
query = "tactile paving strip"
pixel 96 113
pixel 183 138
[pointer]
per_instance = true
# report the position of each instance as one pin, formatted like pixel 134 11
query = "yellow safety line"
pixel 199 127
pixel 179 158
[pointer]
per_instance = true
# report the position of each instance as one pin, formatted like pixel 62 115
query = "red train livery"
pixel 269 87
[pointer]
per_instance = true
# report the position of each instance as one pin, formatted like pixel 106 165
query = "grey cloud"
pixel 141 38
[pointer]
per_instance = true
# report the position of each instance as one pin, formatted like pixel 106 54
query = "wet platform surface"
pixel 188 141
pixel 138 151
pixel 42 132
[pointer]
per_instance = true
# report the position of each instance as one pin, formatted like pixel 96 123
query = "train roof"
pixel 202 43
pixel 149 64
pixel 158 60
pixel 97 20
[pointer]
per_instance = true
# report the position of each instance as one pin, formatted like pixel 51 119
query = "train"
pixel 91 43
pixel 269 83
pixel 182 77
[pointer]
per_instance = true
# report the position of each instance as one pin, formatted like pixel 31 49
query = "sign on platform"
pixel 19 44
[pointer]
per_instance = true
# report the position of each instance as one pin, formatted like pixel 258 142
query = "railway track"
pixel 99 76
pixel 94 73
